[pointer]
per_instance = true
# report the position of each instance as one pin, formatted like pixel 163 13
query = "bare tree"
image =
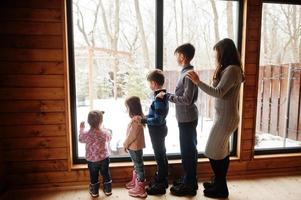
pixel 176 23
pixel 215 19
pixel 282 24
pixel 182 21
pixel 142 35
pixel 112 36
pixel 230 19
pixel 89 38
pixel 265 34
pixel 299 33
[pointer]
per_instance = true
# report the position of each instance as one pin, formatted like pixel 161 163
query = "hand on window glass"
pixel 82 125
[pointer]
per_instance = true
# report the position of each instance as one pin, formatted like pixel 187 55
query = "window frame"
pixel 159 20
pixel 278 150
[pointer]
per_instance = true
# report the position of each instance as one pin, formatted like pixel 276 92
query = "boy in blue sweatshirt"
pixel 156 122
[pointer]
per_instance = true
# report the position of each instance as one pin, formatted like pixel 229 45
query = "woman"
pixel 227 79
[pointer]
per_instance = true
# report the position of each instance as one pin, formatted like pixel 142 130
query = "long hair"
pixel 133 105
pixel 227 54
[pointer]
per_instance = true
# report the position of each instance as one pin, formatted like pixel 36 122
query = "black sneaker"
pixel 217 193
pixel 183 190
pixel 107 188
pixel 155 181
pixel 156 189
pixel 181 181
pixel 209 184
pixel 178 182
pixel 218 190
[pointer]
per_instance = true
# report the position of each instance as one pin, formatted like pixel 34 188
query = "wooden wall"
pixel 2 174
pixel 34 114
pixel 33 88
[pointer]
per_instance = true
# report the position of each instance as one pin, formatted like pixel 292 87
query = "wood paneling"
pixel 10 54
pixel 250 59
pixel 33 167
pixel 7 119
pixel 13 68
pixel 32 4
pixel 2 173
pixel 34 143
pixel 32 93
pixel 31 28
pixel 26 131
pixel 35 155
pixel 47 81
pixel 32 106
pixel 33 132
pixel 31 41
pixel 30 14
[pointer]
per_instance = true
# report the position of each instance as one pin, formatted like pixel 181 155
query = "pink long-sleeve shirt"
pixel 96 143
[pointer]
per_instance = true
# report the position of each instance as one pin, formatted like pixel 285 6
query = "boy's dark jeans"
pixel 189 153
pixel 157 136
pixel 102 167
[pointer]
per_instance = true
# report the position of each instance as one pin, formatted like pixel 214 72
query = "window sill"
pixel 282 155
pixel 146 163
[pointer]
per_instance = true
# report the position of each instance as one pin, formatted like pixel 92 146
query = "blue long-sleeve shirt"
pixel 157 111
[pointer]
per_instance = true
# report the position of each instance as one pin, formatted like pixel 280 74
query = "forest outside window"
pixel 278 121
pixel 112 47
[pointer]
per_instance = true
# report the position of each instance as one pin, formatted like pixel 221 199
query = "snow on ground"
pixel 116 118
pixel 269 141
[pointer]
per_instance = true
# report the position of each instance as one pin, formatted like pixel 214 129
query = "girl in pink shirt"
pixel 134 144
pixel 97 153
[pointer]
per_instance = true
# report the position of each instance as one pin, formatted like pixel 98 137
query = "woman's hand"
pixel 193 76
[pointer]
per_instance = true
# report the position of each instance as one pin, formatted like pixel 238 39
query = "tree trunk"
pixel 295 34
pixel 91 88
pixel 115 46
pixel 299 50
pixel 142 35
pixel 176 21
pixel 299 25
pixel 215 14
pixel 182 22
pixel 230 19
pixel 265 35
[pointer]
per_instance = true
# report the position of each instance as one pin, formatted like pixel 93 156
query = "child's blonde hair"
pixel 95 118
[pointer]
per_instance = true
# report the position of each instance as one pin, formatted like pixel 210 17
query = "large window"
pixel 202 23
pixel 278 122
pixel 113 44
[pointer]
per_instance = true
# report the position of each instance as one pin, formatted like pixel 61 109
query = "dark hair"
pixel 95 118
pixel 227 54
pixel 133 105
pixel 187 50
pixel 156 76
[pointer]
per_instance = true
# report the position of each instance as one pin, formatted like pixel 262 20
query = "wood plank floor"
pixel 276 188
